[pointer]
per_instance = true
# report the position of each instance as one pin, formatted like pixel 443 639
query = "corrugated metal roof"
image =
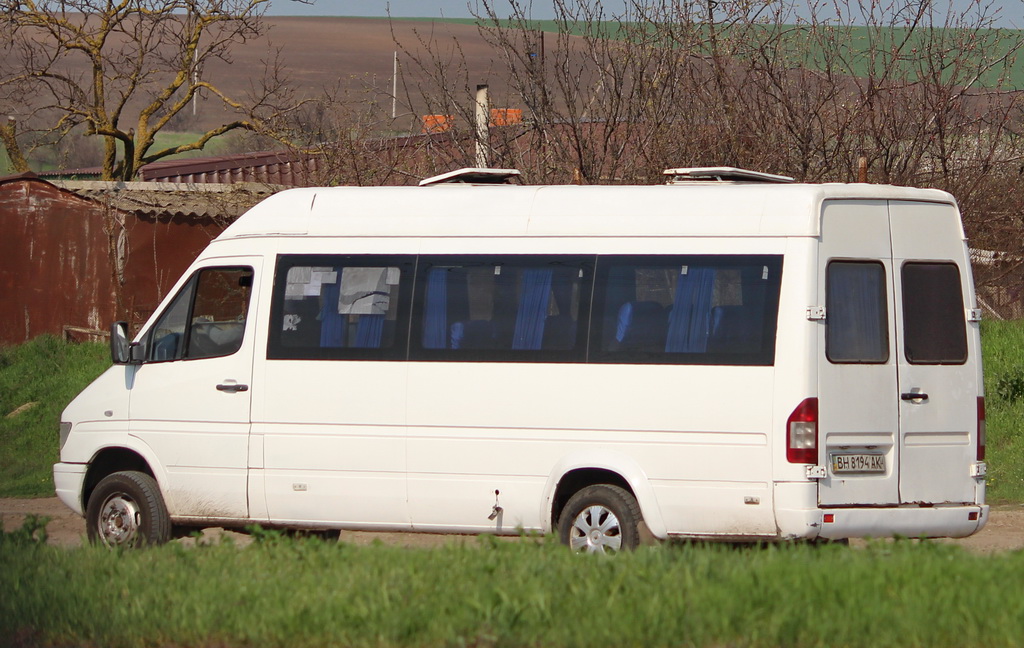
pixel 275 167
pixel 168 199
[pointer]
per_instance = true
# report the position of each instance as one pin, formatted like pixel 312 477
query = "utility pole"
pixel 394 87
pixel 483 113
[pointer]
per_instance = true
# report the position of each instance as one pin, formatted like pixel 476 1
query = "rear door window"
pixel 934 319
pixel 857 313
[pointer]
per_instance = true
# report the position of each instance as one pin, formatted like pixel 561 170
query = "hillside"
pixel 355 54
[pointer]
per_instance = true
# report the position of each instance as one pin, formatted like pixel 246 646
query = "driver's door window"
pixel 206 319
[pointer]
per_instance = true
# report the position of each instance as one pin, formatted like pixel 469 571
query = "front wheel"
pixel 126 509
pixel 601 518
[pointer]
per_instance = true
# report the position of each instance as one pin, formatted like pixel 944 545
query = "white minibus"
pixel 730 355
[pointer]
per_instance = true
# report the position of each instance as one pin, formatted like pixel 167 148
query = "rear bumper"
pixel 798 515
pixel 68 480
pixel 911 522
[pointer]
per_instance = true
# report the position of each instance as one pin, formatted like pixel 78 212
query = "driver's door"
pixel 190 399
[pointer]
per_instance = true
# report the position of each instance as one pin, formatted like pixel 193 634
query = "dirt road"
pixel 1004 532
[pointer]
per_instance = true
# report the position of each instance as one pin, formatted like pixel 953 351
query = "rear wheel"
pixel 601 518
pixel 126 509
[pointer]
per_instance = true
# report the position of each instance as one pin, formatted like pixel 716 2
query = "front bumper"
pixel 68 480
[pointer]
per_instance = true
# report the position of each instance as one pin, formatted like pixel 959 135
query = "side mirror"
pixel 120 346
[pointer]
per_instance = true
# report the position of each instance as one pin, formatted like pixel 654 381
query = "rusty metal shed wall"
pixel 54 262
pixel 159 249
pixel 57 267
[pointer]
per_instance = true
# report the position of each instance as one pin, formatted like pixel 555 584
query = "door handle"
pixel 232 388
pixel 914 396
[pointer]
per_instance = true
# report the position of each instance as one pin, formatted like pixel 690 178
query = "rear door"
pixel 858 403
pixel 938 368
pixel 899 375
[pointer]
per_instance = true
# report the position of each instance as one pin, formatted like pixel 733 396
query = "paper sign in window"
pixel 364 291
pixel 298 281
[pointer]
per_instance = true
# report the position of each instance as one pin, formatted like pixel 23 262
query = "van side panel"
pixel 334 442
pixel 706 465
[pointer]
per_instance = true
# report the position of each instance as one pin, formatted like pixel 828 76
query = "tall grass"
pixel 1003 347
pixel 41 376
pixel 310 593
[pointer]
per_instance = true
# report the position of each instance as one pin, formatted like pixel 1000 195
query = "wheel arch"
pixel 597 467
pixel 110 460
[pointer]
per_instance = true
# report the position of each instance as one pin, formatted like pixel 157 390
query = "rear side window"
pixel 334 307
pixel 502 308
pixel 686 310
pixel 934 321
pixel 207 317
pixel 857 313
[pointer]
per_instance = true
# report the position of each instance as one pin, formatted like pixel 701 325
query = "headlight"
pixel 65 430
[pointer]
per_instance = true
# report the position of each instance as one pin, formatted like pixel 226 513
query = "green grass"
pixel 853 50
pixel 49 372
pixel 217 146
pixel 1003 347
pixel 494 593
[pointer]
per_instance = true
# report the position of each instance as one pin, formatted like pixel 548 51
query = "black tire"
pixel 126 510
pixel 601 518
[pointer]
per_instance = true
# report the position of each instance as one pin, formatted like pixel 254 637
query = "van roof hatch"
pixel 721 174
pixel 473 175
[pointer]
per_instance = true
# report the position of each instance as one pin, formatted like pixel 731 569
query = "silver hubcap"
pixel 595 530
pixel 119 521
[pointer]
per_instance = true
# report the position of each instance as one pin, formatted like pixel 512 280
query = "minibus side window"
pixel 708 309
pixel 334 307
pixel 207 317
pixel 857 316
pixel 521 309
pixel 934 324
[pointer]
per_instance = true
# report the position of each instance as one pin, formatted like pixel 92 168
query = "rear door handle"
pixel 232 388
pixel 914 396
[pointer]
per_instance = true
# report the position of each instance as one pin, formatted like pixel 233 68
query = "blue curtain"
pixel 435 313
pixel 533 308
pixel 369 331
pixel 689 323
pixel 332 323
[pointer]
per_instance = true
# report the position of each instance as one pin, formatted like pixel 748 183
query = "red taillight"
pixel 981 428
pixel 802 433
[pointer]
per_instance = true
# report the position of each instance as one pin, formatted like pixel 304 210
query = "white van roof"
pixel 466 210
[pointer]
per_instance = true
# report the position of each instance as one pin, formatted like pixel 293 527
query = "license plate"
pixel 858 463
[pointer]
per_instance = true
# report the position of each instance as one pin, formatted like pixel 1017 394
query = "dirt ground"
pixel 1004 531
pixel 66 529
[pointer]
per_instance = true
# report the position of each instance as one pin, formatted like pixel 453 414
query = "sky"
pixel 1011 11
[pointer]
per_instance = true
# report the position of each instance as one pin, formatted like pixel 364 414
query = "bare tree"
pixel 123 69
